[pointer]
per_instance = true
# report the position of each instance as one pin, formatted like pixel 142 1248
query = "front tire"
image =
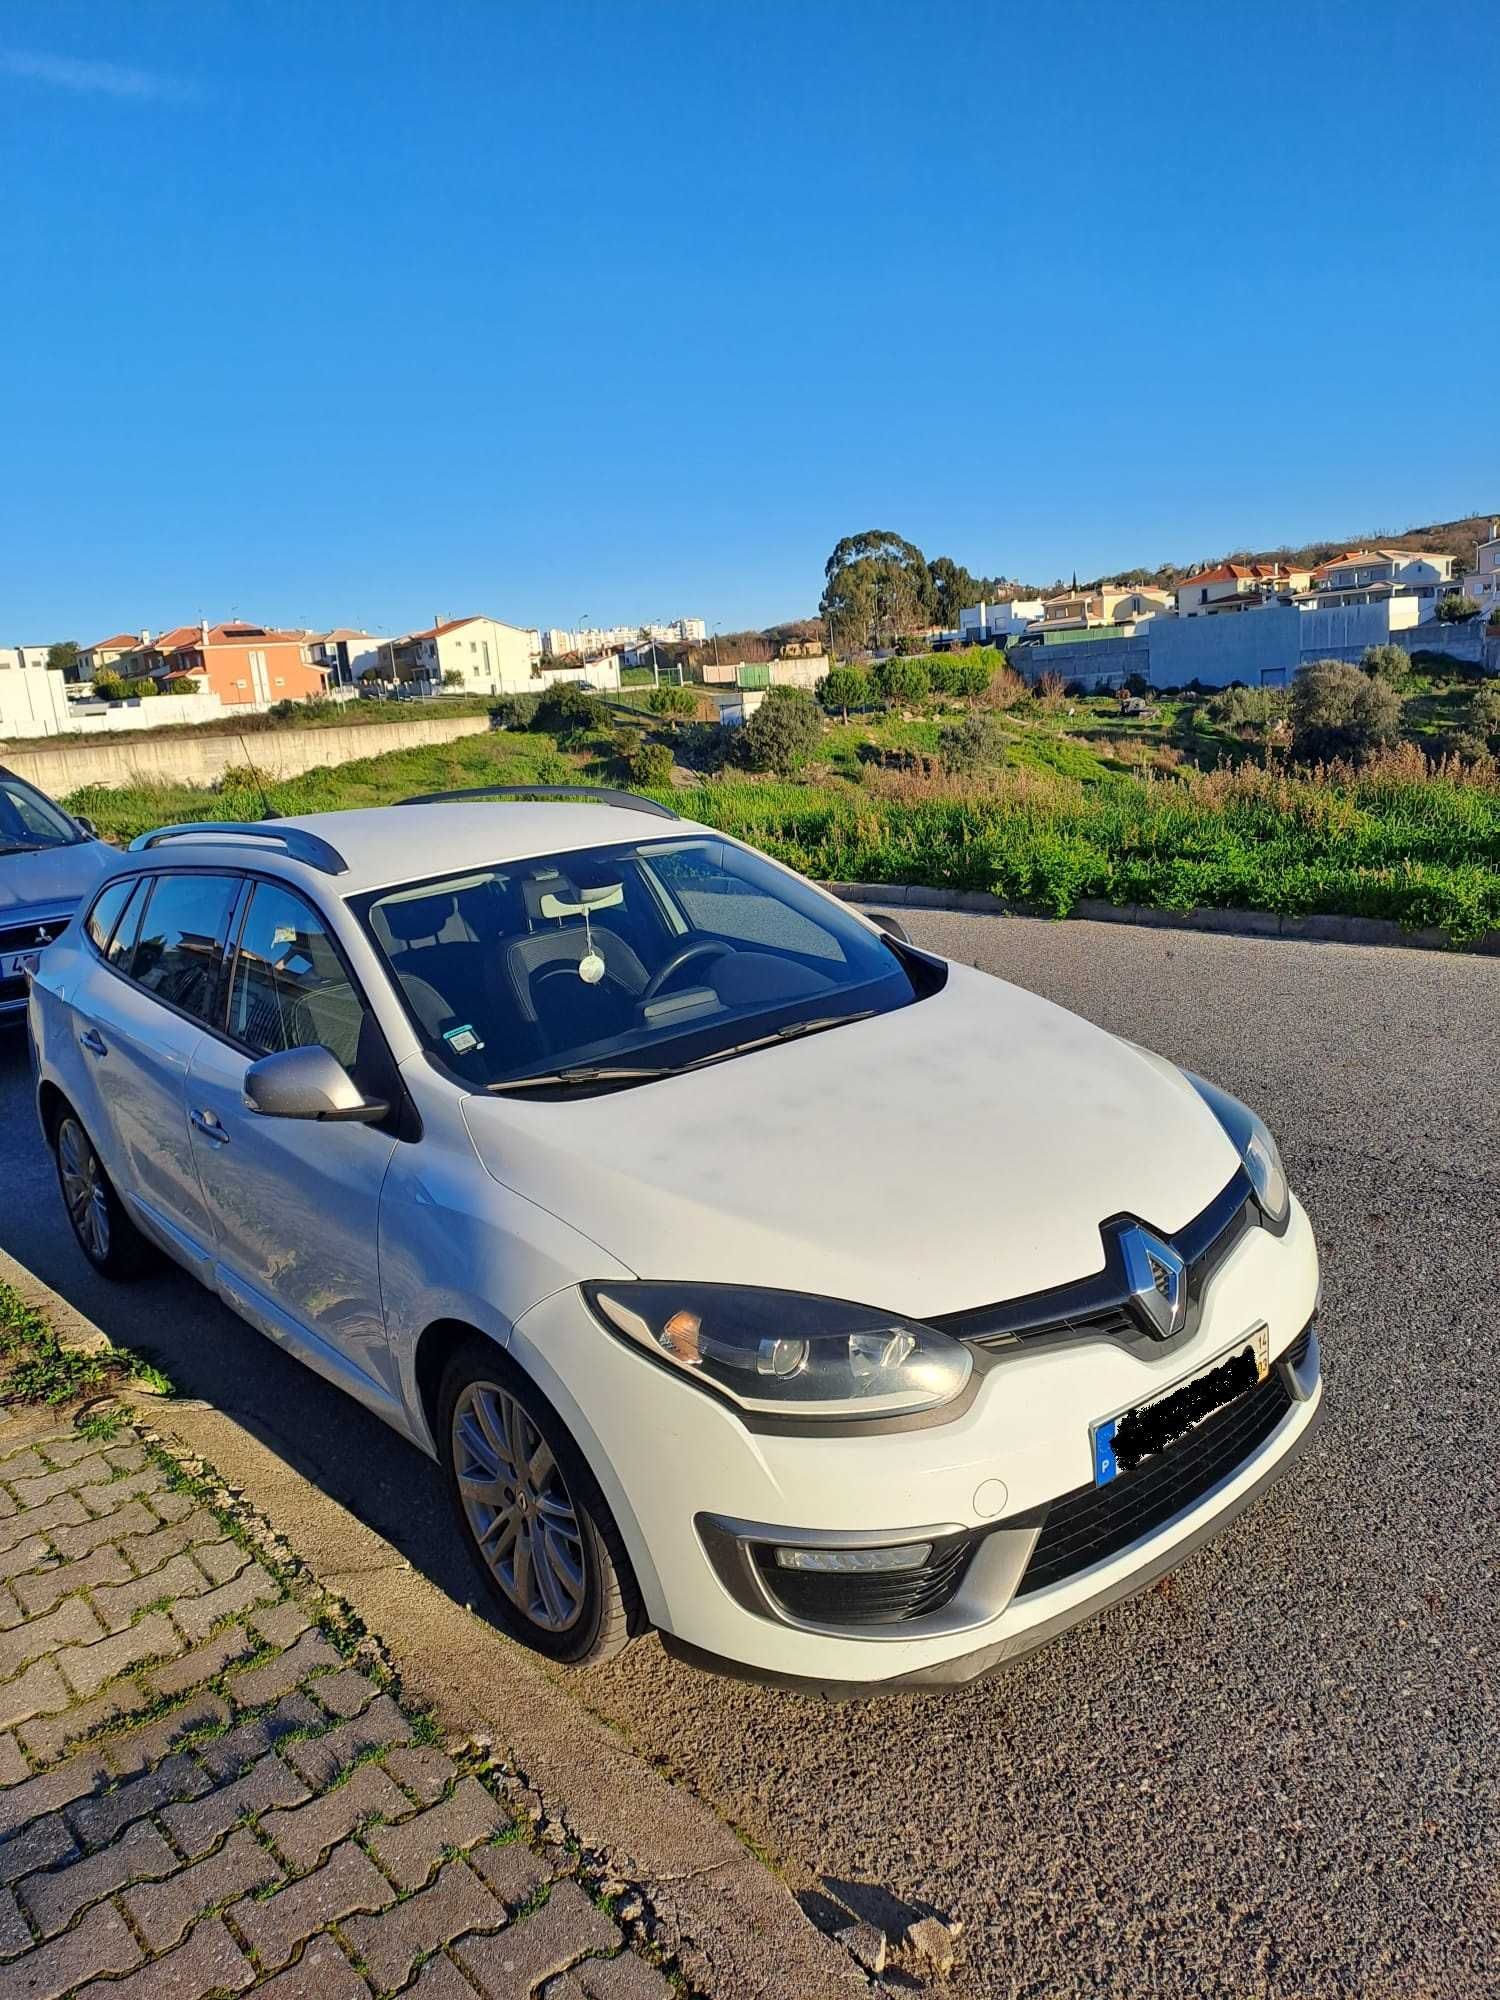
pixel 103 1231
pixel 531 1514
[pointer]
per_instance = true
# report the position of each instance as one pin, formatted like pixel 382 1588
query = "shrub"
pixel 952 674
pixel 1456 609
pixel 1005 688
pixel 844 688
pixel 704 746
pixel 1258 709
pixel 781 732
pixel 670 700
pixel 569 711
pixel 514 711
pixel 1338 711
pixel 1389 663
pixel 901 681
pixel 1049 688
pixel 184 684
pixel 650 765
pixel 109 687
pixel 143 686
pixel 453 678
pixel 976 742
pixel 1484 714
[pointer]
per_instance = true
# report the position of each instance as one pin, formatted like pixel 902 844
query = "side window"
pixel 107 906
pixel 176 954
pixel 122 944
pixel 290 987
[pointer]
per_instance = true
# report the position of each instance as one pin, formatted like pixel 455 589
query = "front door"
pixel 295 1203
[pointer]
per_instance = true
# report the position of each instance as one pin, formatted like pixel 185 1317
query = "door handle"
pixel 207 1123
pixel 93 1041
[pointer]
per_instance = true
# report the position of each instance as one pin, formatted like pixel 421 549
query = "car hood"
pixel 952 1153
pixel 51 878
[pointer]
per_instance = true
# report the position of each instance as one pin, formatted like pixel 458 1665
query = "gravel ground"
pixel 1276 1774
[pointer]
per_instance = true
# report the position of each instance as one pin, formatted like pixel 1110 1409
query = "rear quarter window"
pixel 107 905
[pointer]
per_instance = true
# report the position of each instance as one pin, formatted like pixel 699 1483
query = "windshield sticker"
pixel 462 1040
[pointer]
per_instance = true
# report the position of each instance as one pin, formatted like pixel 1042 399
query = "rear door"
pixel 137 1031
pixel 296 1203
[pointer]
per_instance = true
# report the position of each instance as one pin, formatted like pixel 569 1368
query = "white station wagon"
pixel 846 1315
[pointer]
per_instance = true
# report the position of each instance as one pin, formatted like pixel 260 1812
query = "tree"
pixel 1338 711
pixel 565 710
pixel 877 586
pixel 670 700
pixel 844 688
pixel 63 658
pixel 1389 663
pixel 781 732
pixel 902 680
pixel 1456 609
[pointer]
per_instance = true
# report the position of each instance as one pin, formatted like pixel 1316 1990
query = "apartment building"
pixel 992 624
pixel 591 639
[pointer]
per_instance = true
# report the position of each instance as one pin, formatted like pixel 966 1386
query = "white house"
pixel 482 656
pixel 345 655
pixel 1360 574
pixel 1482 582
pixel 105 655
pixel 985 624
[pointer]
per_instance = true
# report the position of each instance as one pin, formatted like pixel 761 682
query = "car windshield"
pixel 610 965
pixel 28 820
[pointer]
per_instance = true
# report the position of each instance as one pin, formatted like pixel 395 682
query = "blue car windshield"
pixel 615 963
pixel 29 820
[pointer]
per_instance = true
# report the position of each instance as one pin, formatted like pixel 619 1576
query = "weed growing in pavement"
pixel 35 1367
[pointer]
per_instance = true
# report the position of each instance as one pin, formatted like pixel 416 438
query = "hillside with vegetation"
pixel 1372 792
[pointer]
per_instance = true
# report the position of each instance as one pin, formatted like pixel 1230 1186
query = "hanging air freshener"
pixel 591 965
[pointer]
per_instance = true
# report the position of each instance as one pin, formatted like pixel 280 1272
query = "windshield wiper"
pixel 621 1073
pixel 27 846
pixel 585 1073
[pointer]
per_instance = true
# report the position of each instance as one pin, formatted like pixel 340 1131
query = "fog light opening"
pixel 856 1562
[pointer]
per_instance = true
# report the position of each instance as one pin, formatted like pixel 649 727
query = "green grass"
pixel 36 1368
pixel 1062 819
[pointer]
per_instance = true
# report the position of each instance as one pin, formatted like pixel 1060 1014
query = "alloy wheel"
pixel 84 1188
pixel 518 1507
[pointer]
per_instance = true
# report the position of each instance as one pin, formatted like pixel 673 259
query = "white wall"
pixel 33 700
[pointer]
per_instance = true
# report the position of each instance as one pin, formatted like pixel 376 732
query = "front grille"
pixel 12 991
pixel 1098 1307
pixel 1096 1522
pixel 878 1597
pixel 23 937
pixel 1296 1354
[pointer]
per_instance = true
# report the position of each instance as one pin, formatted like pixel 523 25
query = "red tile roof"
pixel 1242 573
pixel 122 641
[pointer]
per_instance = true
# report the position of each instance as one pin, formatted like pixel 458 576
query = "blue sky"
pixel 362 313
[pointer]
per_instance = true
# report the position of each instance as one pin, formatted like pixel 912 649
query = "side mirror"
pixel 892 926
pixel 308 1083
pixel 86 826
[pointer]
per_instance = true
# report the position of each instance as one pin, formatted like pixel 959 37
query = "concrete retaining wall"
pixel 68 766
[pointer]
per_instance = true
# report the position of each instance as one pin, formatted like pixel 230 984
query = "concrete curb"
pixel 1236 923
pixel 733 1927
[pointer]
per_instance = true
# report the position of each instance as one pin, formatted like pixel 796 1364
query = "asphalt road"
pixel 1278 1773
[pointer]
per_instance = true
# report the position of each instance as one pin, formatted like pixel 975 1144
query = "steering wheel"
pixel 684 955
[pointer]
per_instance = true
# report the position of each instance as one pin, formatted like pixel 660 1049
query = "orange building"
pixel 239 663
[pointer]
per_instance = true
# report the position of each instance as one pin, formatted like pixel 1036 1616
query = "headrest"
pixel 413 917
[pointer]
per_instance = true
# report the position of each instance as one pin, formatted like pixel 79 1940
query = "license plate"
pixel 10 964
pixel 1123 1441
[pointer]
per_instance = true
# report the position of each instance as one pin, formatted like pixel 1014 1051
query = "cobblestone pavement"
pixel 201 1794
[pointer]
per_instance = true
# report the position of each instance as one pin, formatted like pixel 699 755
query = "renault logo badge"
pixel 1157 1278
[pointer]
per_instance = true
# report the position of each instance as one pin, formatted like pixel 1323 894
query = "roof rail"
pixel 600 794
pixel 295 841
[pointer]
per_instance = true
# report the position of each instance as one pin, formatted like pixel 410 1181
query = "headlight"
pixel 1254 1145
pixel 787 1354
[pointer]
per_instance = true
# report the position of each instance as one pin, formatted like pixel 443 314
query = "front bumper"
pixel 691 1486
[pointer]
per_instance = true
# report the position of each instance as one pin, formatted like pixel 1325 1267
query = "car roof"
pixel 384 846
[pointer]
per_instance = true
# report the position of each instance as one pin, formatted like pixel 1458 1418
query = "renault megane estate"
pixel 846 1315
